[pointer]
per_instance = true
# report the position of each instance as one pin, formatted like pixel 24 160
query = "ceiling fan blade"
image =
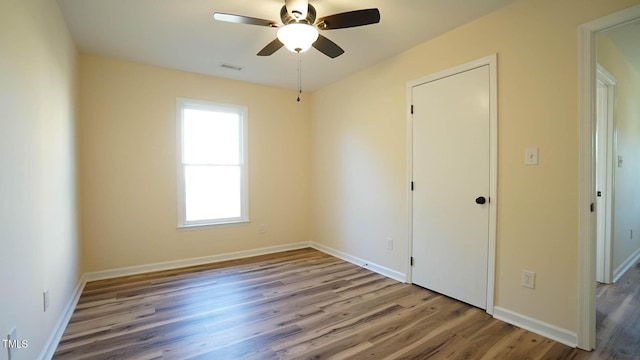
pixel 349 19
pixel 272 47
pixel 239 19
pixel 328 47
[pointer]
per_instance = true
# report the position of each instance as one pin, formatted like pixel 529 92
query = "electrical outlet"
pixel 389 244
pixel 528 279
pixel 45 299
pixel 263 229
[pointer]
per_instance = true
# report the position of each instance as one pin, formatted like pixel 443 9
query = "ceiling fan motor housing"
pixel 287 18
pixel 297 9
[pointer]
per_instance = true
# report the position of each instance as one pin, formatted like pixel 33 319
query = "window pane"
pixel 211 137
pixel 212 192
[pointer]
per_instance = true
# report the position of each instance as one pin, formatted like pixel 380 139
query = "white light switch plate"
pixel 531 156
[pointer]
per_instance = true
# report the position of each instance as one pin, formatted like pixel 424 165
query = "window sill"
pixel 213 226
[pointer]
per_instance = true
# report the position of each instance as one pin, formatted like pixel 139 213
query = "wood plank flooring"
pixel 299 304
pixel 618 318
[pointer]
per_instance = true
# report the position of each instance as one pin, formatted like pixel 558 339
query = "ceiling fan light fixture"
pixel 298 37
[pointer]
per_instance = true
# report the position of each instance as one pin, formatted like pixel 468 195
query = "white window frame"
pixel 242 111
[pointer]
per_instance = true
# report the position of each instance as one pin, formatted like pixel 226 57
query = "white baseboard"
pixel 52 343
pixel 396 275
pixel 539 327
pixel 626 265
pixel 170 265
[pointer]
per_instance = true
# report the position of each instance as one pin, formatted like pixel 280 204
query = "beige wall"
pixel 627 128
pixel 359 160
pixel 127 146
pixel 331 169
pixel 38 228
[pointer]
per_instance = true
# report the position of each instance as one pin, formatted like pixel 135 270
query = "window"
pixel 212 163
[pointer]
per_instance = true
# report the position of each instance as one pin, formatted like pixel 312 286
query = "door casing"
pixel 492 62
pixel 586 296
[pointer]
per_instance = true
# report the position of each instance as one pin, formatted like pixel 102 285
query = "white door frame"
pixel 586 324
pixel 604 244
pixel 492 61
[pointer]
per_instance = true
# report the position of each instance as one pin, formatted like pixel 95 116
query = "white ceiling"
pixel 181 34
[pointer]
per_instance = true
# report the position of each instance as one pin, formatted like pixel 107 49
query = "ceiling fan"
pixel 299 28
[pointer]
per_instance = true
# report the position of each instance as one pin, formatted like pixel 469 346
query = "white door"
pixel 451 179
pixel 605 85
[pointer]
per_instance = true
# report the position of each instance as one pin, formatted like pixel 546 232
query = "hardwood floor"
pixel 299 304
pixel 618 318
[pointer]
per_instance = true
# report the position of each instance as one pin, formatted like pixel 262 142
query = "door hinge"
pixel 412 186
pixel 412 261
pixel 412 109
pixel 592 207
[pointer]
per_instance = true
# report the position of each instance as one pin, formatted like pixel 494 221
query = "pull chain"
pixel 299 75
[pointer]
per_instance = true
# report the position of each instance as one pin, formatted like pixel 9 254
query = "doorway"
pixel 586 326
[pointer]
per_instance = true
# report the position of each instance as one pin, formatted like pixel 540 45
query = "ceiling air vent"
pixel 230 66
